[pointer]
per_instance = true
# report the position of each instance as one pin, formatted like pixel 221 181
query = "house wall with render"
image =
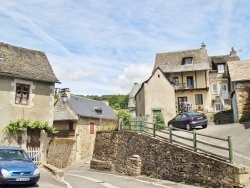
pixel 40 105
pixel 156 93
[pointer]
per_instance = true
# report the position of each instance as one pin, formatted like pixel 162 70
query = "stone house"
pixel 240 88
pixel 200 82
pixel 27 84
pixel 77 119
pixel 156 95
pixel 219 81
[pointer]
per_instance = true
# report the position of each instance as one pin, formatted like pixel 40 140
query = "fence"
pixel 35 153
pixel 223 148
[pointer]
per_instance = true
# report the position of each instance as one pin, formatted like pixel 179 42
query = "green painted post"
pixel 129 123
pixel 170 134
pixel 230 146
pixel 154 130
pixel 141 122
pixel 194 140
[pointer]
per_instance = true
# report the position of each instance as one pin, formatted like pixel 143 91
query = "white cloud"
pixel 81 74
pixel 103 44
pixel 131 74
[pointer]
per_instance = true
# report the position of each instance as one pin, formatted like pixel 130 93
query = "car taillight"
pixel 191 119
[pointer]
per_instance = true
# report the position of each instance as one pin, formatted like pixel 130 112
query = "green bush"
pixel 160 123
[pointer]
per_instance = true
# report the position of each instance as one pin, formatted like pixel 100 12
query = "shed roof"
pixel 239 70
pixel 25 63
pixel 86 108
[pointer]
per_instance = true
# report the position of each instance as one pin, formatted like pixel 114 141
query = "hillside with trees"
pixel 115 101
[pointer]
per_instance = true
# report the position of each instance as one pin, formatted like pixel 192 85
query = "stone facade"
pixel 63 152
pixel 165 160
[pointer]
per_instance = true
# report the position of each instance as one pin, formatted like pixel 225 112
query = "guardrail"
pixel 172 135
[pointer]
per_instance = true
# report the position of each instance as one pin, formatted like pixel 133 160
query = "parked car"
pixel 189 120
pixel 16 167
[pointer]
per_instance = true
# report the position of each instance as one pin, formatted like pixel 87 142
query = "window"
pixel 215 89
pixel 22 94
pixel 198 99
pixel 71 129
pixel 187 61
pixel 217 106
pixel 92 128
pixel 175 80
pixel 221 68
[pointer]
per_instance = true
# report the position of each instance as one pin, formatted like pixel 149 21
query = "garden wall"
pixel 127 152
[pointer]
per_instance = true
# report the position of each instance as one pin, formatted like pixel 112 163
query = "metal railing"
pixel 223 150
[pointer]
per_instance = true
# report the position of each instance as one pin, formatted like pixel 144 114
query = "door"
pixel 190 82
pixel 33 137
pixel 224 91
pixel 181 103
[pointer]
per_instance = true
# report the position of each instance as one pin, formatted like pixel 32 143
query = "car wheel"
pixel 204 126
pixel 188 127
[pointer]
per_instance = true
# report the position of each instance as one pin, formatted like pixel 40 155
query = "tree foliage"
pixel 115 101
pixel 160 121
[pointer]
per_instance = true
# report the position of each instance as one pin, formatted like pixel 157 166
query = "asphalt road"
pixel 240 133
pixel 46 181
pixel 80 175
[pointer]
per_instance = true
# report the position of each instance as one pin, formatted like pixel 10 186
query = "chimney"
pixel 203 46
pixel 233 52
pixel 64 90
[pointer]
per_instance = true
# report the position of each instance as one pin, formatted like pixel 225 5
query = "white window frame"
pixel 217 104
pixel 221 68
pixel 215 92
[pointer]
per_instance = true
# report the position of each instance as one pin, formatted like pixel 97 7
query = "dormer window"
pixel 187 61
pixel 221 68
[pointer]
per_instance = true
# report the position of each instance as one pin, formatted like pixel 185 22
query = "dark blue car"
pixel 16 168
pixel 189 120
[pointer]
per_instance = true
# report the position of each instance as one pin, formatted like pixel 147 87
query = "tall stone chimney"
pixel 203 46
pixel 233 52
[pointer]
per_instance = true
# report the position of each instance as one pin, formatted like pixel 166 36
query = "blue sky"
pixel 101 47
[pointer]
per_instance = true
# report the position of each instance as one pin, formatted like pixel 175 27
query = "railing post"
pixel 129 125
pixel 154 126
pixel 194 140
pixel 141 122
pixel 230 147
pixel 170 133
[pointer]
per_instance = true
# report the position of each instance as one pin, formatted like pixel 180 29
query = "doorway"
pixel 224 91
pixel 33 137
pixel 181 101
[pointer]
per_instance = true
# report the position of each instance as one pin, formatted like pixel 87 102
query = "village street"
pixel 240 133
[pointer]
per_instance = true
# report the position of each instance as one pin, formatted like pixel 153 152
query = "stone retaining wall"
pixel 135 153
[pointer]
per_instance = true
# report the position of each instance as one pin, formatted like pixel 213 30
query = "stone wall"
pixel 61 152
pixel 243 99
pixel 165 160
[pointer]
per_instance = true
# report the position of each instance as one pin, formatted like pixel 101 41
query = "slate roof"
pixel 85 107
pixel 239 70
pixel 172 61
pixel 132 94
pixel 62 111
pixel 25 63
